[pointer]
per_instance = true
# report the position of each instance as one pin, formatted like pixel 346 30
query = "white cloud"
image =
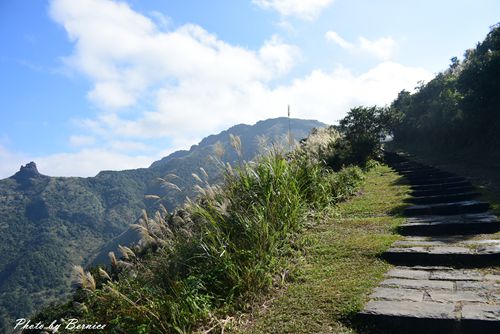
pixel 279 57
pixel 82 140
pixel 304 9
pixel 334 37
pixel 124 53
pixel 128 146
pixel 160 19
pixel 187 112
pixel 285 25
pixel 88 162
pixel 181 85
pixel 327 96
pixel 183 72
pixel 383 48
pixel 10 161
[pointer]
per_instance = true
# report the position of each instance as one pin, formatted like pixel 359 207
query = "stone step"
pixel 408 164
pixel 454 208
pixel 416 177
pixel 442 191
pixel 454 224
pixel 400 159
pixel 447 198
pixel 436 180
pixel 396 162
pixel 408 167
pixel 440 299
pixel 410 170
pixel 393 158
pixel 417 170
pixel 439 186
pixel 459 251
pixel 435 300
pixel 472 241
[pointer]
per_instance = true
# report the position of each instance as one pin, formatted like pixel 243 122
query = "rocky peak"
pixel 27 171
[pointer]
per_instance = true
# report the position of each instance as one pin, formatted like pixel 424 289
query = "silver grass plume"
pixel 219 149
pixel 103 273
pixel 127 253
pixel 197 178
pixel 236 144
pixel 84 279
pixel 169 185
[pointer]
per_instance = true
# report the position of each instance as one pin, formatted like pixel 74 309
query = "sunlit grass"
pixel 342 263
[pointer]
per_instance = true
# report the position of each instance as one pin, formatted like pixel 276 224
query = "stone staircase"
pixel 447 274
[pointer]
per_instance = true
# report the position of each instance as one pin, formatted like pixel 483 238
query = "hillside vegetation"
pixel 453 121
pixel 459 110
pixel 49 224
pixel 222 251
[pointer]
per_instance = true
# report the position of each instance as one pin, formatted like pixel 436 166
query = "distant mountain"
pixel 48 224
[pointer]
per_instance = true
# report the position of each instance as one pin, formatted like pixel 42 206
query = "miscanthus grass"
pixel 213 256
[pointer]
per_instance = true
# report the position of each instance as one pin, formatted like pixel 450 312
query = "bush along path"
pixel 447 274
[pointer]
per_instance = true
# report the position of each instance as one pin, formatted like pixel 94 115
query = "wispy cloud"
pixel 334 37
pixel 383 48
pixel 303 9
pixel 82 140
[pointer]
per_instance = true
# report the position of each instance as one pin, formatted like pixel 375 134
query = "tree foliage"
pixel 460 107
pixel 362 130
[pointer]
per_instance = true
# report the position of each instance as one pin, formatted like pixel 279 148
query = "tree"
pixel 362 131
pixel 459 108
pixel 479 83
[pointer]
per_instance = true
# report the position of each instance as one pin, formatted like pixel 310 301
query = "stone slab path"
pixel 447 277
pixel 452 224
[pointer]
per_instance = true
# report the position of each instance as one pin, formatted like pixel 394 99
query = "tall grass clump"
pixel 249 222
pixel 213 256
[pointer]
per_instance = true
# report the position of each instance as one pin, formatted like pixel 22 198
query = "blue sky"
pixel 106 84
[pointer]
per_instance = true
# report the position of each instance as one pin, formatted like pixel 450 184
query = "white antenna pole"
pixel 290 139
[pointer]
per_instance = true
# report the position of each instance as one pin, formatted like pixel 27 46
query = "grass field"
pixel 341 263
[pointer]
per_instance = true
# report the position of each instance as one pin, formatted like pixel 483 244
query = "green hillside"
pixel 49 224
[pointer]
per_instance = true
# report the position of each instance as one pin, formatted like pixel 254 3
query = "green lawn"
pixel 341 264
